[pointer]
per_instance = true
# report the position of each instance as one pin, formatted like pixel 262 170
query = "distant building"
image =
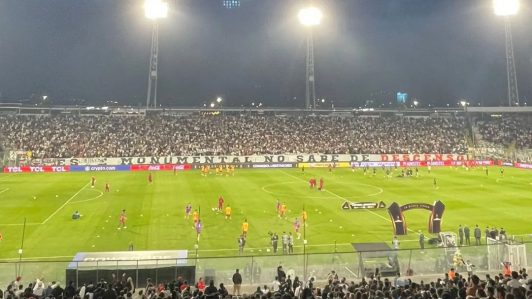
pixel 231 3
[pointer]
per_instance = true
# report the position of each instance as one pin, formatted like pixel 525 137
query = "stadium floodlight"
pixel 416 103
pixel 219 99
pixel 310 16
pixel 155 9
pixel 212 105
pixel 463 103
pixel 505 7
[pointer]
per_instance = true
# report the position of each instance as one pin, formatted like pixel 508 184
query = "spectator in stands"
pixel 506 131
pixel 223 291
pixel 211 292
pixel 111 136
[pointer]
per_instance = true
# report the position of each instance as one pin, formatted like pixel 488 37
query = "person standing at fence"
pixel 284 239
pixel 241 244
pixel 421 240
pixel 290 244
pixel 467 235
pixel 275 241
pixel 237 282
pixel 461 235
pixel 477 234
pixel 487 233
pixel 502 234
pixel 395 243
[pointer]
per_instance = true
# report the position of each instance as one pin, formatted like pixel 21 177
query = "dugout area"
pixel 160 265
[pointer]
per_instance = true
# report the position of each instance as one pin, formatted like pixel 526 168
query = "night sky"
pixel 437 51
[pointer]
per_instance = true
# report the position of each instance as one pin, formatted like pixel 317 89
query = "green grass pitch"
pixel 156 211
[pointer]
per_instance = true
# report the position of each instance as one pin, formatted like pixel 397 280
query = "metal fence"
pixel 260 270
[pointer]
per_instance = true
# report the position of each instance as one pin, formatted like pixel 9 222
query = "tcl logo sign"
pixel 13 169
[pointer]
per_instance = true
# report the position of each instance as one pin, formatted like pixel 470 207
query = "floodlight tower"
pixel 154 10
pixel 310 17
pixel 507 9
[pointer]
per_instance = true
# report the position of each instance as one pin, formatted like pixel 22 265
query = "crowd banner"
pixel 273 165
pixel 254 159
pixel 325 165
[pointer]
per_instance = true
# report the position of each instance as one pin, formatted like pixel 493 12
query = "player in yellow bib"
pixel 245 227
pixel 195 216
pixel 304 217
pixel 227 212
pixel 282 211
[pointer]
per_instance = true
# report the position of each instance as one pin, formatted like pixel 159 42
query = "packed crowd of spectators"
pixel 108 136
pixel 452 285
pixel 507 131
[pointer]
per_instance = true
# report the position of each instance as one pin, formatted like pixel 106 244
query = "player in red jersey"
pixel 321 184
pixel 107 187
pixel 122 220
pixel 312 183
pixel 150 178
pixel 220 204
pixel 93 182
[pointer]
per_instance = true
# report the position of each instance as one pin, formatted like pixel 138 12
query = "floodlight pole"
pixel 152 74
pixel 513 92
pixel 310 92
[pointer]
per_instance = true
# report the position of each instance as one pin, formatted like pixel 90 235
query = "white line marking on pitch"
pixel 37 257
pixel 94 198
pixel 5 177
pixel 343 199
pixel 64 204
pixel 20 224
pixel 2 191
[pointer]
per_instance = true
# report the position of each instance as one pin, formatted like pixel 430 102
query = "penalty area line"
pixel 343 199
pixel 4 190
pixel 65 203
